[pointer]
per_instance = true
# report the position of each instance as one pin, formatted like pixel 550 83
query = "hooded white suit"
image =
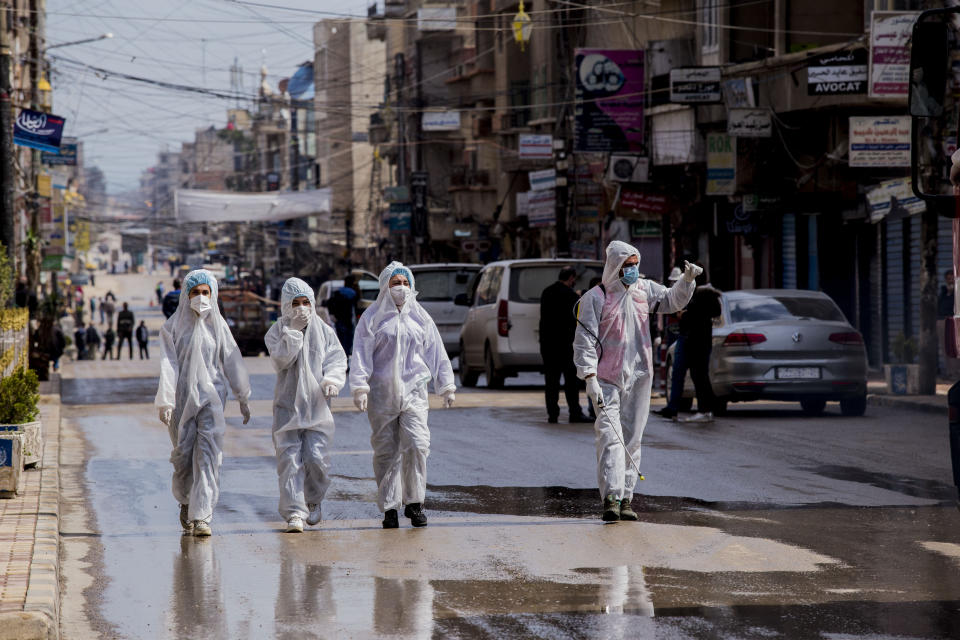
pixel 200 357
pixel 396 353
pixel 306 362
pixel 619 318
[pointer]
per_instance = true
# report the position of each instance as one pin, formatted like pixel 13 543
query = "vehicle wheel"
pixel 813 406
pixel 468 376
pixel 494 376
pixel 720 407
pixel 854 406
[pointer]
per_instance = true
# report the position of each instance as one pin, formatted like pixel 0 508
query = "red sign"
pixel 644 201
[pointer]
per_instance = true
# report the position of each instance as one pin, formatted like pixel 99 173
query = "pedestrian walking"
pixel 55 343
pixel 93 308
pixel 557 328
pixel 311 368
pixel 109 337
pixel 200 357
pixel 143 338
pixel 125 325
pixel 160 293
pixel 397 351
pixel 172 300
pixel 108 307
pixel 80 341
pixel 93 341
pixel 342 305
pixel 694 344
pixel 102 312
pixel 613 354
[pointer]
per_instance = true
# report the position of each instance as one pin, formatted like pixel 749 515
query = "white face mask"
pixel 399 293
pixel 201 305
pixel 302 312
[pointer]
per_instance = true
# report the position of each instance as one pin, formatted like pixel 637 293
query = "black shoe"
pixel 579 417
pixel 627 512
pixel 666 412
pixel 611 509
pixel 417 517
pixel 390 519
pixel 552 419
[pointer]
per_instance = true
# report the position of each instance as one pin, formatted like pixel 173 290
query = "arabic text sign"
pixel 437 19
pixel 644 201
pixel 880 142
pixel 890 33
pixel 66 157
pixel 882 198
pixel 38 130
pixel 609 100
pixel 841 72
pixel 721 164
pixel 535 147
pixel 749 123
pixel 543 180
pixel 542 208
pixel 691 85
pixel 441 121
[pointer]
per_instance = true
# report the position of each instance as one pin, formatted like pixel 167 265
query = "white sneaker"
pixel 295 525
pixel 314 517
pixel 700 417
pixel 184 521
pixel 201 529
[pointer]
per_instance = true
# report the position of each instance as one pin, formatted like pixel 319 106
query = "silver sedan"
pixel 785 344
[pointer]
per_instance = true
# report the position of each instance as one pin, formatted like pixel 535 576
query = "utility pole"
pixel 399 76
pixel 6 145
pixel 928 302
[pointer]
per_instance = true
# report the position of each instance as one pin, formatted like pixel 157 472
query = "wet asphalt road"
pixel 764 524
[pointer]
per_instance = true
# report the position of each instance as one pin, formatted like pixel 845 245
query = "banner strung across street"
pixel 609 100
pixel 38 130
pixel 195 205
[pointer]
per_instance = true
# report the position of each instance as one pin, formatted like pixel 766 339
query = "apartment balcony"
pixel 472 85
pixel 463 178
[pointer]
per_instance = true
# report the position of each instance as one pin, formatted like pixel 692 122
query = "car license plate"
pixel 798 373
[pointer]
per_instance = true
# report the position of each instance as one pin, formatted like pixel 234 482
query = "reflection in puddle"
pixel 403 607
pixel 197 596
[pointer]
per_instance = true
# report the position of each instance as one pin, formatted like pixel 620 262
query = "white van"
pixel 501 334
pixel 437 287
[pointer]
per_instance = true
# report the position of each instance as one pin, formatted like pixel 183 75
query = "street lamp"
pixel 522 26
pixel 104 36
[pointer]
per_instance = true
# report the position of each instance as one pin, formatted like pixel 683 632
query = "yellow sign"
pixel 44 184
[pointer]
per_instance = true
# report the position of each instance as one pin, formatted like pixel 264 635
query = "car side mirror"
pixel 461 300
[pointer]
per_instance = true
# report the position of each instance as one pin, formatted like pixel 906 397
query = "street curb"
pixel 906 402
pixel 40 618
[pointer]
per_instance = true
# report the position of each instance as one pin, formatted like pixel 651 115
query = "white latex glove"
pixel 330 390
pixel 360 399
pixel 691 271
pixel 448 399
pixel 166 415
pixel 594 392
pixel 297 323
pixel 245 411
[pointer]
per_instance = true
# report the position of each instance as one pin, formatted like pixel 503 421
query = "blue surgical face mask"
pixel 630 275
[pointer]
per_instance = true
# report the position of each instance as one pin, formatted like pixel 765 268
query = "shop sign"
pixel 838 73
pixel 738 93
pixel 436 18
pixel 535 147
pixel 399 216
pixel 542 208
pixel 396 194
pixel 38 130
pixel 721 164
pixel 645 228
pixel 543 180
pixel 893 194
pixel 890 33
pixel 880 142
pixel 440 121
pixel 749 123
pixel 695 85
pixel 67 156
pixel 610 91
pixel 644 201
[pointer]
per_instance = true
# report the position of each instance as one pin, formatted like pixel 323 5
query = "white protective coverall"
pixel 199 357
pixel 395 355
pixel 307 362
pixel 619 318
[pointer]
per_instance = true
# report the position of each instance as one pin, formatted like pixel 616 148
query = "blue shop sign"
pixel 38 130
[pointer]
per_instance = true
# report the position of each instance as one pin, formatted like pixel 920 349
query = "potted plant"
pixel 19 399
pixel 903 375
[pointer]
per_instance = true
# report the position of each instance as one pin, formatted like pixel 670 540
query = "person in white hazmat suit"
pixel 311 368
pixel 397 351
pixel 614 355
pixel 200 357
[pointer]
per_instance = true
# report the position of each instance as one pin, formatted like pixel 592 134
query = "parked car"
pixel 79 279
pixel 369 288
pixel 783 344
pixel 438 285
pixel 501 334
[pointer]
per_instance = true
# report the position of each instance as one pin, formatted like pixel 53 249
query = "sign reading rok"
pixel 609 100
pixel 721 164
pixel 38 130
pixel 880 142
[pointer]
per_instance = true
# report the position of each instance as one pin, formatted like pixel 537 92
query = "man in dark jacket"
pixel 125 324
pixel 143 338
pixel 557 328
pixel 93 341
pixel 108 339
pixel 172 300
pixel 342 305
pixel 80 341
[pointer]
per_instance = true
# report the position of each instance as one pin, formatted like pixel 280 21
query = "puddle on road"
pixel 914 487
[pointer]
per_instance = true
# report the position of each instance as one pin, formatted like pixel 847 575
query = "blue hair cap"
pixel 200 276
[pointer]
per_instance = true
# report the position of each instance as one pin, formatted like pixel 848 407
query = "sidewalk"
pixel 29 539
pixel 877 396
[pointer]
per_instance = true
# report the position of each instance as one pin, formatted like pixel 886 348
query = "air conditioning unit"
pixel 628 168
